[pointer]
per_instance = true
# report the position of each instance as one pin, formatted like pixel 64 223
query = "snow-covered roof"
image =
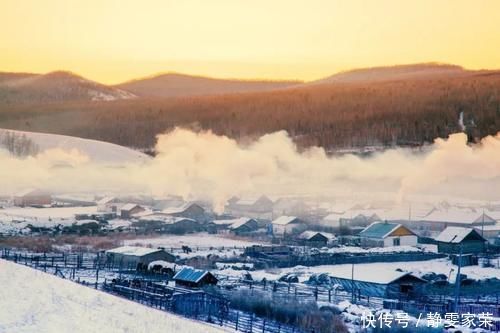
pixel 105 200
pixel 239 222
pixel 308 234
pixel 285 220
pixel 167 219
pixel 365 275
pixel 129 206
pixel 379 230
pixel 456 215
pixel 178 209
pixel 31 191
pixel 455 234
pixel 133 251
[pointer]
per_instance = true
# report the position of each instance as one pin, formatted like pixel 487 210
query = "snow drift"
pixel 33 301
pixel 206 166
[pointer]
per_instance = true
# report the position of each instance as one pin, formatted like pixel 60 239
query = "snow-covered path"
pixel 33 301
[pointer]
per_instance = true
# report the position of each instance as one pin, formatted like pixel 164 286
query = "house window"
pixel 396 242
pixel 406 288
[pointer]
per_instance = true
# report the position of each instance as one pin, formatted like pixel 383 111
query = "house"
pixel 136 257
pixel 489 232
pixel 315 238
pixel 32 197
pixel 194 278
pixel 288 206
pixel 189 210
pixel 287 225
pixel 259 208
pixel 130 209
pixel 454 240
pixel 243 225
pixel 109 204
pixel 384 284
pixel 384 234
pixel 166 224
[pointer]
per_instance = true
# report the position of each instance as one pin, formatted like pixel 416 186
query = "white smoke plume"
pixel 211 167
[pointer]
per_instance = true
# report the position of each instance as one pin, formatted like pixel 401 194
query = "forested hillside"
pixel 407 112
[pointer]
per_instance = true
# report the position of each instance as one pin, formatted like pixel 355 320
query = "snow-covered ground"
pixel 14 219
pixel 97 151
pixel 202 240
pixel 375 270
pixel 33 301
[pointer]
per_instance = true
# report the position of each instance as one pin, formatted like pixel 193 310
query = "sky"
pixel 112 41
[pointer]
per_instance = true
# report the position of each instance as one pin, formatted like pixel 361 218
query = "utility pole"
pixel 352 284
pixel 458 281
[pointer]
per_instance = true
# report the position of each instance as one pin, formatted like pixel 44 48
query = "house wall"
pixel 470 246
pixel 280 230
pixel 33 200
pixel 410 240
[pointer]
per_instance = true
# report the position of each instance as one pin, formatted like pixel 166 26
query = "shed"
pixel 194 278
pixel 32 197
pixel 384 234
pixel 452 239
pixel 130 209
pixel 287 225
pixel 189 210
pixel 136 257
pixel 384 284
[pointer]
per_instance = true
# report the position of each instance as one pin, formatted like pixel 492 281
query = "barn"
pixel 287 225
pixel 194 278
pixel 384 284
pixel 385 234
pixel 32 197
pixel 454 239
pixel 136 257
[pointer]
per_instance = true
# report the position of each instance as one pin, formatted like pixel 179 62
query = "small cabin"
pixel 384 234
pixel 454 240
pixel 194 278
pixel 315 238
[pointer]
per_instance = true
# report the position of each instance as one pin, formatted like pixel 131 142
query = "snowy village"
pixel 269 264
pixel 187 166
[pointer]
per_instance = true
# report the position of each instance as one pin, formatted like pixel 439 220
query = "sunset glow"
pixel 113 41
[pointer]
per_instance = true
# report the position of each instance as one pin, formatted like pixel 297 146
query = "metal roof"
pixel 379 230
pixel 133 251
pixel 190 275
pixel 285 220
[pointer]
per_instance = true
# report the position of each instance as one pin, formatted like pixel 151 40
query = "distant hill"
pixel 180 85
pixel 400 72
pixel 25 88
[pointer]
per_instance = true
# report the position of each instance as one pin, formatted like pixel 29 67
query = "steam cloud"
pixel 211 167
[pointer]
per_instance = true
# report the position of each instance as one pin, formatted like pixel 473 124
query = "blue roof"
pixel 190 274
pixel 378 229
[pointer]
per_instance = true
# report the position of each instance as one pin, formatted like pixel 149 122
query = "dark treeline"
pixel 332 116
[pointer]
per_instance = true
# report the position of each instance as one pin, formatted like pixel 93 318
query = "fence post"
pixel 264 326
pixel 237 319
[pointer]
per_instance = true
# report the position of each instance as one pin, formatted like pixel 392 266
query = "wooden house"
pixel 136 257
pixel 455 239
pixel 189 210
pixel 129 210
pixel 32 197
pixel 315 238
pixel 383 284
pixel 194 278
pixel 258 208
pixel 287 225
pixel 385 234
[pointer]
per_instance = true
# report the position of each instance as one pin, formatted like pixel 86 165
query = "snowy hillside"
pixel 55 87
pixel 33 301
pixel 97 151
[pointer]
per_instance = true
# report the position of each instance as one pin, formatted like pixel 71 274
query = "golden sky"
pixel 115 40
